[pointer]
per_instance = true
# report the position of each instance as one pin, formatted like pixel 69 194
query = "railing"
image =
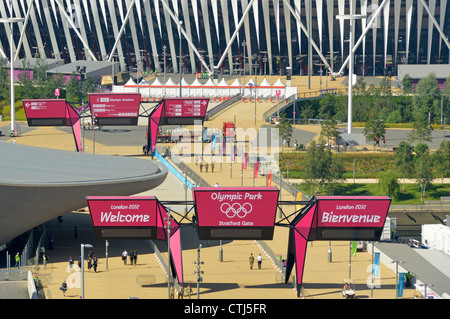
pixel 222 106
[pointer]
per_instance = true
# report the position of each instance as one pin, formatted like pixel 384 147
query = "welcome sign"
pixel 236 212
pixel 129 216
pixel 339 217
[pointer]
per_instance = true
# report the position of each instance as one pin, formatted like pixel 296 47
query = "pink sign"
pixel 123 211
pixel 236 206
pixel 352 211
pixel 185 107
pixel 115 105
pixel 45 108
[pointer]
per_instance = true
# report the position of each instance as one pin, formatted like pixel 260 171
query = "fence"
pixel 222 106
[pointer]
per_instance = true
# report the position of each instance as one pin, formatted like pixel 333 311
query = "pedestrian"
pixel 63 288
pixel 79 262
pixel 172 292
pixel 377 141
pixel 89 264
pixel 251 259
pixel 95 263
pixel 201 167
pixel 206 167
pixel 130 256
pixel 70 263
pixel 44 261
pixel 50 242
pixel 217 184
pixel 212 167
pixel 384 140
pixel 189 291
pixel 124 257
pixel 75 232
pixel 181 293
pixel 259 259
pixel 134 257
pixel 17 260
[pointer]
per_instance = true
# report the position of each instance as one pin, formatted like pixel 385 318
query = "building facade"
pixel 265 36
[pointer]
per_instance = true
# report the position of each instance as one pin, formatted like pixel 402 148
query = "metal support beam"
pixel 19 45
pixel 122 28
pixel 286 3
pixel 86 45
pixel 368 27
pixel 174 18
pixel 235 34
pixel 436 24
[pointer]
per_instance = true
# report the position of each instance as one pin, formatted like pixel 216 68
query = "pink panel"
pixel 41 108
pixel 154 125
pixel 123 211
pixel 112 105
pixel 185 107
pixel 175 252
pixel 236 206
pixel 303 229
pixel 73 119
pixel 352 211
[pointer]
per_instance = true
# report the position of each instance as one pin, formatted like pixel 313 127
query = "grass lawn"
pixel 411 195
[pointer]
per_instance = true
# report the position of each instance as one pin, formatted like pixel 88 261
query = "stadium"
pixel 230 35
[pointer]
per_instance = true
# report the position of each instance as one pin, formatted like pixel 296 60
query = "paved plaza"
pixel 230 278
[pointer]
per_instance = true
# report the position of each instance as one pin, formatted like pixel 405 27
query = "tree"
pixel 407 85
pixel 388 181
pixel 374 129
pixel 404 160
pixel 73 90
pixel 441 160
pixel 427 98
pixel 284 127
pixel 423 165
pixel 328 130
pixel 421 130
pixel 321 168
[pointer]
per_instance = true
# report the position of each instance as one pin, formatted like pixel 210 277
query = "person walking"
pixel 17 260
pixel 259 259
pixel 94 263
pixel 63 288
pixel 134 257
pixel 124 257
pixel 251 259
pixel 44 261
pixel 71 264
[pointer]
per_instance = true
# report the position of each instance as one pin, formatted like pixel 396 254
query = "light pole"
pixel 350 17
pixel 168 220
pixel 198 271
pixel 11 22
pixel 164 53
pixel 81 70
pixel 82 267
pixel 179 29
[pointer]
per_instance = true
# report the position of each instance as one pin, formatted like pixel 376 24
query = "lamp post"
pixel 168 220
pixel 11 22
pixel 82 267
pixel 179 29
pixel 81 71
pixel 198 271
pixel 350 17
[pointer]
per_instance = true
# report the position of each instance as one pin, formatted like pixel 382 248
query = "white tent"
pixel 223 89
pixel 279 87
pixel 235 87
pixel 185 88
pixel 130 86
pixel 196 89
pixel 172 89
pixel 209 88
pixel 156 88
pixel 265 89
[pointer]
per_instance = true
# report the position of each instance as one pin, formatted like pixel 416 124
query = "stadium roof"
pixel 38 184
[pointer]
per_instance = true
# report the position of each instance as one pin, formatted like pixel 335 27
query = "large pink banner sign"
pixel 115 108
pixel 39 109
pixel 348 211
pixel 123 211
pixel 182 107
pixel 236 212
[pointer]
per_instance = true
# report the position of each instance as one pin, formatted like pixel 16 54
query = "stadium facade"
pixel 271 35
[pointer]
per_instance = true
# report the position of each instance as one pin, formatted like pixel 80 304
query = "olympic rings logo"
pixel 236 209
